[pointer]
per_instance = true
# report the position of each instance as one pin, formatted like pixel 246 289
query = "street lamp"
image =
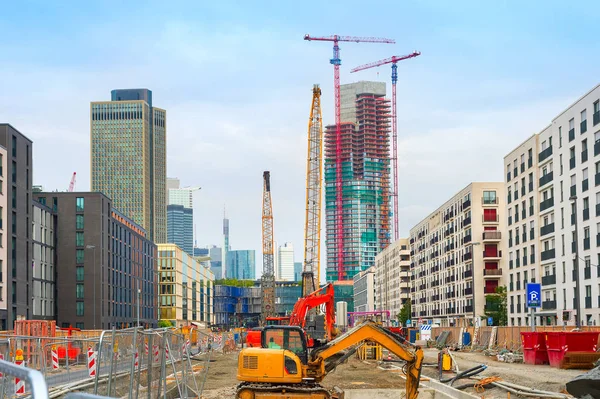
pixel 94 248
pixel 573 200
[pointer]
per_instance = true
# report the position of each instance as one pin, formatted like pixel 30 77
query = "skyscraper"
pixel 365 158
pixel 180 215
pixel 286 262
pixel 226 246
pixel 241 264
pixel 128 157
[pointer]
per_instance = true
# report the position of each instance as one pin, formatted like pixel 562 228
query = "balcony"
pixel 547 178
pixel 489 201
pixel 583 126
pixel 530 162
pixel 466 204
pixel 492 254
pixel 492 272
pixel 468 291
pixel 468 273
pixel 549 254
pixel 489 218
pixel 467 256
pixel 548 305
pixel 466 222
pixel 596 118
pixel 571 134
pixel 492 235
pixel 545 154
pixel 468 308
pixel 549 279
pixel 572 163
pixel 546 204
pixel 547 229
pixel 584 156
pixel 573 191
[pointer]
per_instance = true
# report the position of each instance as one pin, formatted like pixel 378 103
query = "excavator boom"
pixel 324 295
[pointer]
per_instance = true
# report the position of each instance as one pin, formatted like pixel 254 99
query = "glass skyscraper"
pixel 128 157
pixel 241 264
pixel 180 227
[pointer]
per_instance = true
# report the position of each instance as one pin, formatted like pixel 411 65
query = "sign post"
pixel 534 297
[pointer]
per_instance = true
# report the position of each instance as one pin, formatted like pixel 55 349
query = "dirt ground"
pixel 355 374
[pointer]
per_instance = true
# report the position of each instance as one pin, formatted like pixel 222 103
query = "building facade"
pixel 226 247
pixel 241 264
pixel 4 299
pixel 365 174
pixel 392 277
pixel 178 195
pixel 298 271
pixel 458 256
pixel 105 264
pixel 286 262
pixel 185 287
pixel 43 237
pixel 364 291
pixel 16 184
pixel 566 215
pixel 128 157
pixel 180 227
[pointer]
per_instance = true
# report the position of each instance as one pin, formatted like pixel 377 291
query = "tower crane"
pixel 72 184
pixel 314 178
pixel 336 62
pixel 267 285
pixel 393 61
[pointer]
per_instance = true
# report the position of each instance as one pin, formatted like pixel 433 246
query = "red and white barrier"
pixel 156 353
pixel 91 362
pixel 185 346
pixel 136 360
pixel 54 359
pixel 146 347
pixel 19 384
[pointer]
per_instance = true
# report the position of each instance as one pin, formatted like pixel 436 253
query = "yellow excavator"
pixel 283 368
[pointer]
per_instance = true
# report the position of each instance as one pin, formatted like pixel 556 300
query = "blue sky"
pixel 236 79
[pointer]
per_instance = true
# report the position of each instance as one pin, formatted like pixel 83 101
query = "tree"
pixel 496 307
pixel 233 282
pixel 405 313
pixel 165 323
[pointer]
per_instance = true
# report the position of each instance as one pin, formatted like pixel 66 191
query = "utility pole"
pixel 576 266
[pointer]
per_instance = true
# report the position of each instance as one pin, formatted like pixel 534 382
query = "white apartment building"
pixel 458 255
pixel 364 291
pixel 180 196
pixel 286 262
pixel 568 154
pixel 392 277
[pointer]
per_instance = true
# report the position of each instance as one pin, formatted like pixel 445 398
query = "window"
pixel 544 145
pixel 585 174
pixel 584 115
pixel 80 204
pixel 586 203
pixel 489 197
pixel 80 255
pixel 560 137
pixel 560 164
pixel 80 273
pixel 584 145
pixel 79 309
pixel 573 180
pixel 586 233
pixel 79 291
pixel 597 106
pixel 79 239
pixel 79 325
pixel 572 124
pixel 79 225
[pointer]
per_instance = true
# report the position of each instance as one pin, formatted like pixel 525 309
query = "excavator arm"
pixel 369 331
pixel 321 296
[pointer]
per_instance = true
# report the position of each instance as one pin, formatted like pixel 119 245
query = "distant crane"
pixel 72 184
pixel 267 285
pixel 314 178
pixel 393 61
pixel 336 62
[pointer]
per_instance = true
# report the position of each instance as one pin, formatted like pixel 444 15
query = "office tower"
pixel 43 237
pixel 286 262
pixel 458 256
pixel 226 247
pixel 553 214
pixel 241 264
pixel 16 174
pixel 180 227
pixel 128 157
pixel 102 259
pixel 298 271
pixel 178 195
pixel 392 277
pixel 192 281
pixel 365 161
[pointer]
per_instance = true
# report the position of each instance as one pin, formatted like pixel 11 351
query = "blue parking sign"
pixel 534 295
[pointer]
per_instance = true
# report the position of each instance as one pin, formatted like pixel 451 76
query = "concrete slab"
pixel 424 393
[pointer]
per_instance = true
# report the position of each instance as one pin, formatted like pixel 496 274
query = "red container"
pixel 534 348
pixel 559 343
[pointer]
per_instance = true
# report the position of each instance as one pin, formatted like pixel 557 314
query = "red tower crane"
pixel 72 184
pixel 336 62
pixel 393 61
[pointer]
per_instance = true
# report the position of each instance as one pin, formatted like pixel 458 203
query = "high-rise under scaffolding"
pixel 365 152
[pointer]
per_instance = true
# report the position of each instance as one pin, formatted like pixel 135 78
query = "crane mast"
pixel 336 61
pixel 268 277
pixel 314 178
pixel 393 60
pixel 72 183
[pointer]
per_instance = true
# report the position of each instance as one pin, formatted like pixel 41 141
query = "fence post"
pixel 133 361
pixel 100 343
pixel 112 362
pixel 150 366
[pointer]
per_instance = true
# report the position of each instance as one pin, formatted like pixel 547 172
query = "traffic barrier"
pixel 136 360
pixel 156 353
pixel 54 358
pixel 19 383
pixel 91 363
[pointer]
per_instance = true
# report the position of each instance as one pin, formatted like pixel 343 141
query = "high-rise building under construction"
pixel 365 178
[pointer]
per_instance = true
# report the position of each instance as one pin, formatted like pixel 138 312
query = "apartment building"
pixel 364 290
pixel 458 256
pixel 392 277
pixel 568 254
pixel 43 237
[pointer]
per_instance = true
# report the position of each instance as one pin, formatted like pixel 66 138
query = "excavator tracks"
pixel 300 391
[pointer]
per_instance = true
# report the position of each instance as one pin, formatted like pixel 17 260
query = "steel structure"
pixel 336 62
pixel 268 277
pixel 393 60
pixel 314 179
pixel 72 184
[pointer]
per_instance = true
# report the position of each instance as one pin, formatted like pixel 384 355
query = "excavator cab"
pixel 291 338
